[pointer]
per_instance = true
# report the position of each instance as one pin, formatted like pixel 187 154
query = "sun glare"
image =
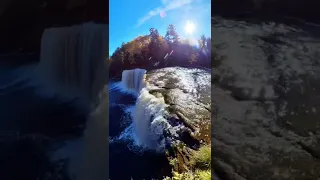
pixel 190 27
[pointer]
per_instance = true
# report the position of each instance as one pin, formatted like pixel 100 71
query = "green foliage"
pixel 198 175
pixel 149 50
pixel 172 37
pixel 173 162
pixel 201 165
pixel 203 175
pixel 201 159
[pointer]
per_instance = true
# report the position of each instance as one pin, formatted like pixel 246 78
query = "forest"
pixel 154 51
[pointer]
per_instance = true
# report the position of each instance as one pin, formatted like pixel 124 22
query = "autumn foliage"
pixel 155 51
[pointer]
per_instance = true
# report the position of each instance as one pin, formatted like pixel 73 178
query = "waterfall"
pixel 148 120
pixel 133 80
pixel 75 58
pixel 147 115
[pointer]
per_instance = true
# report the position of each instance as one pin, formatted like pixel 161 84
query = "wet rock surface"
pixel 187 92
pixel 265 99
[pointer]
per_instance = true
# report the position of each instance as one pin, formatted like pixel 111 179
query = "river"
pixel 266 94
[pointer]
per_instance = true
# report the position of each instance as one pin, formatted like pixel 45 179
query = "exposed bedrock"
pixel 186 93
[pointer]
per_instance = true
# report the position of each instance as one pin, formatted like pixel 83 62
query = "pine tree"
pixel 203 43
pixel 209 45
pixel 172 37
pixel 155 44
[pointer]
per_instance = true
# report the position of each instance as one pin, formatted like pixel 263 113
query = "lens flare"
pixel 162 14
pixel 190 27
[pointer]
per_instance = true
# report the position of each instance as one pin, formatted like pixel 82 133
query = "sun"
pixel 190 27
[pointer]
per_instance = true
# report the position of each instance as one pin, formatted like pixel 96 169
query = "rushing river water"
pixel 139 121
pixel 127 160
pixel 32 106
pixel 33 110
pixel 266 95
pixel 29 105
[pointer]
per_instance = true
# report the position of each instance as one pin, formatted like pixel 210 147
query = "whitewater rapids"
pixel 152 126
pixel 148 122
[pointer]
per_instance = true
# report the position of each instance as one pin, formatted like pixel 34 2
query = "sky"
pixel 130 18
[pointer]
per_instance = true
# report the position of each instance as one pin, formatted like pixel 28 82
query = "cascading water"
pixel 141 123
pixel 133 80
pixel 74 58
pixel 148 120
pixel 147 114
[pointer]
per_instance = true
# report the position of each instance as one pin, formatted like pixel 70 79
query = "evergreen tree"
pixel 172 37
pixel 203 42
pixel 209 46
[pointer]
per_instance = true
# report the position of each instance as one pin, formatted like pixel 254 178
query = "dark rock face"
pixel 265 92
pixel 307 9
pixel 22 23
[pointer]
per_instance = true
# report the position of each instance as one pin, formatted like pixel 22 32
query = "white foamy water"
pixel 256 55
pixel 75 57
pixel 184 78
pixel 148 122
pixel 133 80
pixel 149 114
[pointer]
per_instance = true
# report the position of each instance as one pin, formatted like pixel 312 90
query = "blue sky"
pixel 131 18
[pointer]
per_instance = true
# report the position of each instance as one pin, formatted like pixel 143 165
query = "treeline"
pixel 154 51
